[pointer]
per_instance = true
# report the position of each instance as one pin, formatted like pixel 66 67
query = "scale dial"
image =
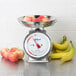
pixel 37 45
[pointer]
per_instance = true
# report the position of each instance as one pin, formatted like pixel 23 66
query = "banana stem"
pixel 71 44
pixel 64 39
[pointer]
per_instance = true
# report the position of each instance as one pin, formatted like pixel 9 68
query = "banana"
pixel 61 46
pixel 56 55
pixel 63 51
pixel 69 55
pixel 62 41
pixel 65 56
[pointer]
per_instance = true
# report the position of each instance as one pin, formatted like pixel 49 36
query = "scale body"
pixel 37 53
pixel 37 44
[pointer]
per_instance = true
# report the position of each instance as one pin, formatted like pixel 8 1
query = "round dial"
pixel 37 45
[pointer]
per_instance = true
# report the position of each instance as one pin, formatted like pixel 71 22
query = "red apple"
pixel 13 57
pixel 13 54
pixel 4 52
pixel 37 20
pixel 13 49
pixel 32 18
pixel 27 18
pixel 41 17
pixel 20 53
pixel 45 19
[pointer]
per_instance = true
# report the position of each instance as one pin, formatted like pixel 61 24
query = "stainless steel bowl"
pixel 38 24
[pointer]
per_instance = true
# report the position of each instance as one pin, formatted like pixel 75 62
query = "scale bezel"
pixel 49 48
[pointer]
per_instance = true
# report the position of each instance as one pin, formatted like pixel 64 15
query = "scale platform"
pixel 40 24
pixel 31 60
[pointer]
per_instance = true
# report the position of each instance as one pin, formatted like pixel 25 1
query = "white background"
pixel 12 33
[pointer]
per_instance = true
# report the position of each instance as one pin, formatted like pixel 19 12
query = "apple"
pixel 32 18
pixel 4 52
pixel 36 20
pixel 13 56
pixel 13 49
pixel 41 17
pixel 27 18
pixel 45 19
pixel 20 53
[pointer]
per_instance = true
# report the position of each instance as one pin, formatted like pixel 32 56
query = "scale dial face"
pixel 37 45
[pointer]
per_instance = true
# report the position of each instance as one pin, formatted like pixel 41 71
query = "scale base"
pixel 31 60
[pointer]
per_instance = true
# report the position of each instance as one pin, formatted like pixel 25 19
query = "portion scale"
pixel 37 44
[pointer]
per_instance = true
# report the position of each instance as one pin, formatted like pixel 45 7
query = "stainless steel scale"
pixel 37 44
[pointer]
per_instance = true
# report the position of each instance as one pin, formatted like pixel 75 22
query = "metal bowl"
pixel 38 24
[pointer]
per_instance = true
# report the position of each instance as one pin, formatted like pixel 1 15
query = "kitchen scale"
pixel 37 44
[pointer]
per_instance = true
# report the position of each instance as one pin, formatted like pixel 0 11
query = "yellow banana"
pixel 62 41
pixel 63 51
pixel 61 46
pixel 56 55
pixel 59 53
pixel 69 55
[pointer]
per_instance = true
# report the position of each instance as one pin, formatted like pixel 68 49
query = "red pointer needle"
pixel 38 46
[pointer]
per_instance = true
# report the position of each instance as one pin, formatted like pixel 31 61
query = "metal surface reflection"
pixel 22 68
pixel 11 68
pixel 37 69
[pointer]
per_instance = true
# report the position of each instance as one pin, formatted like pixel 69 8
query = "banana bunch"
pixel 63 50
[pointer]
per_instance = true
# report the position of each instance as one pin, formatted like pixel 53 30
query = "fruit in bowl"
pixel 29 18
pixel 45 19
pixel 33 19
